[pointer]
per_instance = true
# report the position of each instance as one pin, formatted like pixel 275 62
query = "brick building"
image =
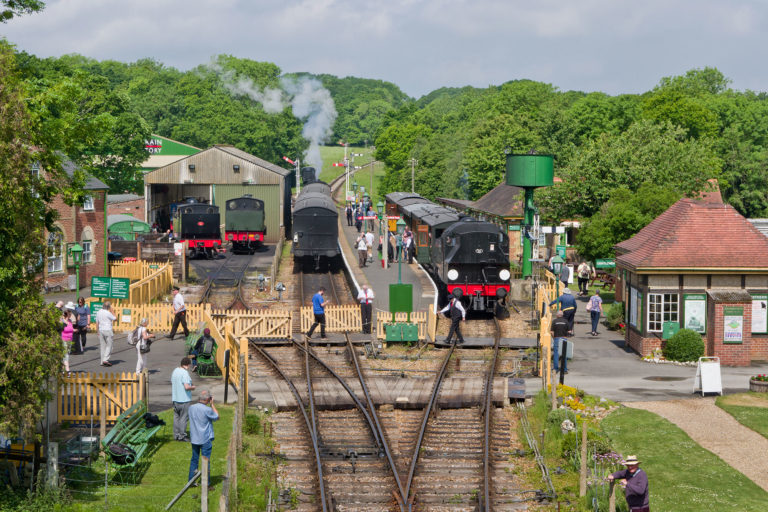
pixel 85 224
pixel 699 265
pixel 126 204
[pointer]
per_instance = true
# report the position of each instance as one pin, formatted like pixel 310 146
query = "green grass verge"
pixel 683 476
pixel 754 417
pixel 164 478
pixel 256 467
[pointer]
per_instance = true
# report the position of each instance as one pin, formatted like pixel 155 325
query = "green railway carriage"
pixel 245 225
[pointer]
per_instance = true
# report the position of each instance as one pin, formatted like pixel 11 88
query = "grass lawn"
pixel 749 409
pixel 683 476
pixel 256 469
pixel 608 296
pixel 164 478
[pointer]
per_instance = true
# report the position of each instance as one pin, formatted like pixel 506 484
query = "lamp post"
pixel 557 268
pixel 354 188
pixel 400 230
pixel 76 251
pixel 380 209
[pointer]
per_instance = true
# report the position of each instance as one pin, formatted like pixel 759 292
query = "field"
pixel 333 154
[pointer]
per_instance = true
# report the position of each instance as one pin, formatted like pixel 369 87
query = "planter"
pixel 758 386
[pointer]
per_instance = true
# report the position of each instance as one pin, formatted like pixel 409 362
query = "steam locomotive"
pixel 315 225
pixel 196 225
pixel 467 257
pixel 245 226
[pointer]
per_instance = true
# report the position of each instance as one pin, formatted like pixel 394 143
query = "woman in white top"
pixel 143 341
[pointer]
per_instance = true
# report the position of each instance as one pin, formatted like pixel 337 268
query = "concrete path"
pixel 603 366
pixel 717 431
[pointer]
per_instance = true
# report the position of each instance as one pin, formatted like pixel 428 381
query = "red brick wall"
pixel 759 348
pixel 643 346
pixel 730 354
pixel 73 220
pixel 135 208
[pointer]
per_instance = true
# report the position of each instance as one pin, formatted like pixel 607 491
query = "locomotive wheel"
pixel 191 253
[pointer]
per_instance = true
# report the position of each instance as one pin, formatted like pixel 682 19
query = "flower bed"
pixel 759 383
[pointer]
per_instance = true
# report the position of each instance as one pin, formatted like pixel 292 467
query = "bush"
pixel 684 345
pixel 597 441
pixel 614 316
pixel 252 424
pixel 558 416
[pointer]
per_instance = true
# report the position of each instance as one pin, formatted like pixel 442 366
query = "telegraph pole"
pixel 413 166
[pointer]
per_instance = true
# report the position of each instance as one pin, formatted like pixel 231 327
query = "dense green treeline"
pixel 688 129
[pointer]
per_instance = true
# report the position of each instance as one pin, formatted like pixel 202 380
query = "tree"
pixel 30 348
pixel 646 152
pixel 620 218
pixel 12 8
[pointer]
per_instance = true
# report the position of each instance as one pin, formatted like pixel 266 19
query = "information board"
pixel 708 376
pixel 696 312
pixel 605 263
pixel 759 313
pixel 733 324
pixel 126 316
pixel 110 287
pixel 95 308
pixel 400 298
pixel 560 249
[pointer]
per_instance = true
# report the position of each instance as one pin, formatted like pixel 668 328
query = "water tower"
pixel 529 172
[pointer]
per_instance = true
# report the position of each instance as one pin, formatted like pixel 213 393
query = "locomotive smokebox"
pixel 530 171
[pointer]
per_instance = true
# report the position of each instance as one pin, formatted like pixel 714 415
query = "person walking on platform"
pixel 567 306
pixel 104 319
pixel 358 220
pixel 83 314
pixel 369 244
pixel 349 215
pixel 458 315
pixel 559 329
pixel 179 313
pixel 362 250
pixel 318 308
pixel 181 395
pixel 366 307
pixel 595 308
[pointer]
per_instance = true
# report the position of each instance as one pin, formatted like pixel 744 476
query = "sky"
pixel 613 46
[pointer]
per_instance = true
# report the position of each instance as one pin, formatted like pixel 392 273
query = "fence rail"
pixel 337 319
pixel 256 324
pixel 133 270
pixel 419 318
pixel 81 396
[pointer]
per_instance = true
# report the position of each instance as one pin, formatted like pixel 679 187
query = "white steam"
pixel 309 100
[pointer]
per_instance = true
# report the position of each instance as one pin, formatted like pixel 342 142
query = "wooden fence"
pixel 337 319
pixel 150 287
pixel 419 318
pixel 237 346
pixel 133 270
pixel 545 293
pixel 86 397
pixel 160 316
pixel 432 324
pixel 264 324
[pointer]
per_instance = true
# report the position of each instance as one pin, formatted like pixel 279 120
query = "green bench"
pixel 130 430
pixel 206 366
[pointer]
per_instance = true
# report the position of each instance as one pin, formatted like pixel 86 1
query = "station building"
pixel 700 265
pixel 84 224
pixel 214 176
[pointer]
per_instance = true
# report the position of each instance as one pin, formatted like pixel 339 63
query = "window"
pixel 55 252
pixel 662 307
pixel 86 245
pixel 88 203
pixel 35 170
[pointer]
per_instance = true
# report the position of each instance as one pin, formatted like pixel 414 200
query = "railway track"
pixel 223 288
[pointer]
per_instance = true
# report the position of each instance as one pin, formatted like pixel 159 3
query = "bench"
pixel 608 280
pixel 206 366
pixel 130 430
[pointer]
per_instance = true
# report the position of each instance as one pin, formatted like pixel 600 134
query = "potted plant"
pixel 759 383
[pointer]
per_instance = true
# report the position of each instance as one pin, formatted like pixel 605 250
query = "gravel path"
pixel 707 424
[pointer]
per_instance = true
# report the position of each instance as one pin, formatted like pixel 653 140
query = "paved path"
pixel 717 431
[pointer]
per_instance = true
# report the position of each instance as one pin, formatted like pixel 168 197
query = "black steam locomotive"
pixel 308 175
pixel 197 226
pixel 315 225
pixel 467 257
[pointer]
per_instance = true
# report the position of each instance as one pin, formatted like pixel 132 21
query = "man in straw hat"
pixel 635 483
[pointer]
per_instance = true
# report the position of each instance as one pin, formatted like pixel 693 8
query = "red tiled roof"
pixel 696 234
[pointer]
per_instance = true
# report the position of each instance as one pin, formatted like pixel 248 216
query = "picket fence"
pixel 418 317
pixel 90 397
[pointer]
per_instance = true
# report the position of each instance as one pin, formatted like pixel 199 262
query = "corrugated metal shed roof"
pixel 216 166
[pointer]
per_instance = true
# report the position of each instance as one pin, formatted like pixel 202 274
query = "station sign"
pixel 603 263
pixel 370 218
pixel 393 217
pixel 110 287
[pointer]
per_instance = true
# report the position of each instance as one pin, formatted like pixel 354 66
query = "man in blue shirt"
pixel 567 306
pixel 318 308
pixel 201 418
pixel 181 393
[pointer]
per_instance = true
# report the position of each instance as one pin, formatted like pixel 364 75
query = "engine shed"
pixel 214 176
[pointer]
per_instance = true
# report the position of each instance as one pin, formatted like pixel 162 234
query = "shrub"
pixel 556 417
pixel 684 345
pixel 252 424
pixel 614 316
pixel 597 442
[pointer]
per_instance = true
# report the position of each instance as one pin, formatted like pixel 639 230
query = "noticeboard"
pixel 401 298
pixel 560 249
pixel 95 307
pixel 110 287
pixel 695 312
pixel 605 263
pixel 733 325
pixel 759 313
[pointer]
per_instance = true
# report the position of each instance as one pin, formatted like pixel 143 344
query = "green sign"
pixel 110 287
pixel 95 307
pixel 603 263
pixel 400 298
pixel 560 249
pixel 669 329
pixel 153 266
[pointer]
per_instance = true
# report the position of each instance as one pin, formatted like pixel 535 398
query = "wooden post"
pixel 583 468
pixel 53 465
pixel 204 484
pixel 102 415
pixel 553 384
pixel 612 497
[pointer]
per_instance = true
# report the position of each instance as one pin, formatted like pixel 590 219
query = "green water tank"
pixel 530 170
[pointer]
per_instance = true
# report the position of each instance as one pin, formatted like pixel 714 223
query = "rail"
pixel 484 501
